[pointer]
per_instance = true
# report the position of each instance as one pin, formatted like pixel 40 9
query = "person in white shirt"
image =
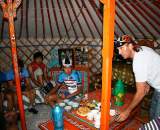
pixel 146 63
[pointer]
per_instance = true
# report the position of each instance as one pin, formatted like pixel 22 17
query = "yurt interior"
pixel 80 57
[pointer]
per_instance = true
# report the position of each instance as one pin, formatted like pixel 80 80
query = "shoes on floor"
pixel 33 110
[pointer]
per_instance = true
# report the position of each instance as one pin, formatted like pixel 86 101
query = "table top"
pixel 73 121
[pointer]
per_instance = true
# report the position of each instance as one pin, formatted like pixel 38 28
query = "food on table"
pixel 91 105
pixel 83 111
pixel 83 102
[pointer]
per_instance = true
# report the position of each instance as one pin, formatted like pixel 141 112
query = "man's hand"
pixel 147 88
pixel 63 87
pixel 122 116
pixel 63 96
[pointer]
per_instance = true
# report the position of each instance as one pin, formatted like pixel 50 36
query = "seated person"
pixel 1 98
pixel 38 70
pixel 68 83
pixel 25 88
pixel 40 80
pixel 8 121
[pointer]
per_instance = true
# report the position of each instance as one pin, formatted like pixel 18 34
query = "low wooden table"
pixel 72 121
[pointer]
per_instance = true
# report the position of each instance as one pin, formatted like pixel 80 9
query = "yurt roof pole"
pixel 9 12
pixel 107 54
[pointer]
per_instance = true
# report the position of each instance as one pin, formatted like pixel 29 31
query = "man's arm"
pixel 46 74
pixel 27 83
pixel 55 89
pixel 75 93
pixel 32 76
pixel 140 93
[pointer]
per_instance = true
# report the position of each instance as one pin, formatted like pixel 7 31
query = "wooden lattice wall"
pixel 26 48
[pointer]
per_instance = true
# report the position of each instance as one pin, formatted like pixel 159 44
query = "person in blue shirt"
pixel 25 88
pixel 68 83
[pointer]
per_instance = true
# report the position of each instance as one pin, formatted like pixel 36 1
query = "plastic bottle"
pixel 57 117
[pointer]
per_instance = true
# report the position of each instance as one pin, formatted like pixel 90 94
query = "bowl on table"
pixel 67 108
pixel 75 105
pixel 62 104
pixel 70 103
pixel 66 101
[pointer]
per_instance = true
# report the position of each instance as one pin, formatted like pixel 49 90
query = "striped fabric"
pixel 38 100
pixel 152 125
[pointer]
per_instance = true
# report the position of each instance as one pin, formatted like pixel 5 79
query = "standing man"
pixel 146 63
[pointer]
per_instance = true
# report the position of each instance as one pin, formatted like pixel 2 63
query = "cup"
pixel 97 124
pixel 97 116
pixel 112 112
pixel 94 111
pixel 90 116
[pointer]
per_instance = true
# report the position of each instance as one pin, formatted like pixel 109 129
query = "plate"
pixel 83 111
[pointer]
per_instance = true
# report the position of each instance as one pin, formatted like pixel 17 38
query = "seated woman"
pixel 39 78
pixel 25 88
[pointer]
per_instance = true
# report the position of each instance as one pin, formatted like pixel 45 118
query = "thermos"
pixel 57 117
pixel 119 93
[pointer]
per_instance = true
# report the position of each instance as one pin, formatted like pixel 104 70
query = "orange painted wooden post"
pixel 9 12
pixel 107 54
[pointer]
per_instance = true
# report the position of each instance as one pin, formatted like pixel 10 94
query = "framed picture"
pixel 62 53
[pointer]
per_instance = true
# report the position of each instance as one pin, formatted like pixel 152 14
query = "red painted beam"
pixel 74 13
pixel 49 18
pixel 93 4
pixel 152 10
pixel 72 24
pixel 35 14
pixel 124 22
pixel 120 27
pixel 43 23
pixel 2 29
pixel 138 19
pixel 27 6
pixel 55 17
pixel 84 4
pixel 15 68
pixel 21 23
pixel 81 10
pixel 61 14
pixel 140 9
pixel 129 17
pixel 107 53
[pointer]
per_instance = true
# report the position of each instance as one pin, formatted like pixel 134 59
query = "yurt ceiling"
pixel 48 24
pixel 83 18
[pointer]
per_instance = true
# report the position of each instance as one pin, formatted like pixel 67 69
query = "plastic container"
pixel 57 117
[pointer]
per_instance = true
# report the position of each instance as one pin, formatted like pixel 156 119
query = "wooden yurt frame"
pixel 9 12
